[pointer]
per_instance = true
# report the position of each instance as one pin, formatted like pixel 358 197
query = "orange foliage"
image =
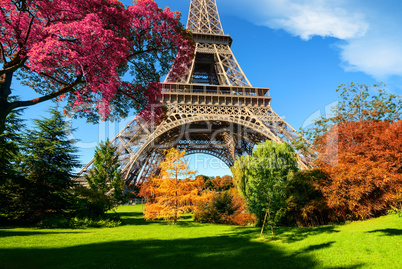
pixel 243 219
pixel 222 183
pixel 168 194
pixel 227 207
pixel 363 161
pixel 217 183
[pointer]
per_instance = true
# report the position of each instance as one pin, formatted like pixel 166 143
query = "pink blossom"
pixel 83 46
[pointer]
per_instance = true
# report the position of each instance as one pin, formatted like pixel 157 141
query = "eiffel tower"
pixel 213 109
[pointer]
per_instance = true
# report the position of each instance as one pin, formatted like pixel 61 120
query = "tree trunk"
pixel 175 205
pixel 5 91
pixel 3 116
pixel 175 212
pixel 272 225
pixel 263 224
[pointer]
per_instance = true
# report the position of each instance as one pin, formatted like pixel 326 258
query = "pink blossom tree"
pixel 83 52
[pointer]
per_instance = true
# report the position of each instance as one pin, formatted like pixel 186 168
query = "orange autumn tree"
pixel 222 183
pixel 363 164
pixel 172 192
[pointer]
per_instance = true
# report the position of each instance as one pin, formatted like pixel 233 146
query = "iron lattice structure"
pixel 212 109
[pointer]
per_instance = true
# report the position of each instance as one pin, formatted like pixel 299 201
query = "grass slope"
pixel 375 243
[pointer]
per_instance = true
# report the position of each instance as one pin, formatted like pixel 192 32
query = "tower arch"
pixel 212 108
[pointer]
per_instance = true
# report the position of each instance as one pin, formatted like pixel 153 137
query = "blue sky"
pixel 302 50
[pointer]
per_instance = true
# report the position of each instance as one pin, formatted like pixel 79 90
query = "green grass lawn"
pixel 375 243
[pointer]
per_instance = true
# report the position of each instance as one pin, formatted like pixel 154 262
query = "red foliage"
pixel 363 161
pixel 83 48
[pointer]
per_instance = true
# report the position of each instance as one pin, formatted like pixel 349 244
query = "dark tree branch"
pixel 141 51
pixel 35 101
pixel 50 77
pixel 14 64
pixel 138 69
pixel 29 30
pixel 3 54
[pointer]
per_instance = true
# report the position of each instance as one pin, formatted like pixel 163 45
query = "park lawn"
pixel 375 243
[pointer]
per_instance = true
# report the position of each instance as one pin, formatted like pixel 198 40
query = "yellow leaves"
pixel 172 192
pixel 174 165
pixel 157 211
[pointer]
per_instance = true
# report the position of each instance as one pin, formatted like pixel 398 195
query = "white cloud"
pixel 308 18
pixel 371 31
pixel 378 56
pixel 315 18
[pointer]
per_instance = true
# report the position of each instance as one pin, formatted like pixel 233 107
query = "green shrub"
pixel 62 222
pixel 306 205
pixel 222 203
pixel 207 214
pixel 90 204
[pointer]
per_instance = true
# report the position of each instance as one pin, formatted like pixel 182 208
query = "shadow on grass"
pixel 137 218
pixel 318 246
pixel 285 234
pixel 388 231
pixel 292 234
pixel 132 218
pixel 7 233
pixel 209 252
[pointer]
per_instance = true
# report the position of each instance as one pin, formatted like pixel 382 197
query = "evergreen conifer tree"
pixel 104 177
pixel 47 164
pixel 10 179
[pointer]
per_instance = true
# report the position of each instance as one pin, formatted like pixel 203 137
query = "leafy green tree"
pixel 104 177
pixel 262 178
pixel 357 103
pixel 49 157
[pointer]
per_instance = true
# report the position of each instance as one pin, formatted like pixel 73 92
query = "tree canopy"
pixel 104 176
pixel 358 102
pixel 262 177
pixel 362 161
pixel 48 160
pixel 172 192
pixel 356 162
pixel 10 178
pixel 79 51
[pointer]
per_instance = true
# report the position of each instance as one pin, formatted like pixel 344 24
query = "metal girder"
pixel 203 17
pixel 214 62
pixel 212 109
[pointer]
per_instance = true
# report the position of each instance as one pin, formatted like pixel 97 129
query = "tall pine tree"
pixel 10 179
pixel 48 163
pixel 104 177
